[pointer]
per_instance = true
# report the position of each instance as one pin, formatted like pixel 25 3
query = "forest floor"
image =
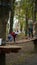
pixel 25 56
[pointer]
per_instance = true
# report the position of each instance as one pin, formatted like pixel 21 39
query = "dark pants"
pixel 30 32
pixel 14 39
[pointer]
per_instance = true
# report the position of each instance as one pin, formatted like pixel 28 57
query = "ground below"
pixel 25 56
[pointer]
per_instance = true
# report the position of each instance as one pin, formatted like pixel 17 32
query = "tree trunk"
pixel 11 22
pixel 3 23
pixel 34 15
pixel 26 28
pixel 5 7
pixel 12 16
pixel 20 27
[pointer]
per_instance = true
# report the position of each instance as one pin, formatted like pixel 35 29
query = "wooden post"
pixel 7 49
pixel 2 59
pixel 35 41
pixel 35 45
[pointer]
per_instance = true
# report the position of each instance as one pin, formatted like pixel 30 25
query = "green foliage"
pixel 27 4
pixel 25 9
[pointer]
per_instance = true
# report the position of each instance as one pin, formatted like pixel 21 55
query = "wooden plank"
pixel 31 39
pixel 10 46
pixel 9 49
pixel 22 41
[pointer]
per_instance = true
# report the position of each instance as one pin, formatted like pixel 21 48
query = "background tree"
pixel 12 14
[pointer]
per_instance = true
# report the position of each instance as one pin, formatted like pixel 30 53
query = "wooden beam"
pixel 9 48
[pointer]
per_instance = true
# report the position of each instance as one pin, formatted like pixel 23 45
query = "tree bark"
pixel 26 28
pixel 4 14
pixel 12 15
pixel 3 23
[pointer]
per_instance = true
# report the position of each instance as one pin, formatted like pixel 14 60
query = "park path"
pixel 26 56
pixel 22 40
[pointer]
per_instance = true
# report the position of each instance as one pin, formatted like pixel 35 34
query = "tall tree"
pixel 5 7
pixel 12 14
pixel 34 13
pixel 25 4
pixel 4 12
